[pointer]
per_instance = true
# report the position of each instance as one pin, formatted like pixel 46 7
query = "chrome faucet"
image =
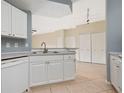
pixel 45 49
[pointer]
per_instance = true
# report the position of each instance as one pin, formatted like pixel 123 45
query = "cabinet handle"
pixel 9 34
pixel 47 62
pixel 113 59
pixel 117 66
pixel 74 60
pixel 120 88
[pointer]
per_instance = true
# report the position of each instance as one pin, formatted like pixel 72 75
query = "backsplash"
pixel 13 44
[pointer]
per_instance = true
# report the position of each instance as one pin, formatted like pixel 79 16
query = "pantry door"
pixel 85 47
pixel 98 48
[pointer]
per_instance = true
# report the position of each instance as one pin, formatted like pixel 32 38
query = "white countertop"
pixel 14 54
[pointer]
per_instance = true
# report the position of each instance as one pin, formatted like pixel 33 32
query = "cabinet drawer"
pixel 115 61
pixel 115 58
pixel 69 57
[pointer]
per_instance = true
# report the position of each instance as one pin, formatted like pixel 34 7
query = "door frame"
pixel 90 33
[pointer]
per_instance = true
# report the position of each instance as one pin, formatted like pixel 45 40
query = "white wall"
pixel 46 24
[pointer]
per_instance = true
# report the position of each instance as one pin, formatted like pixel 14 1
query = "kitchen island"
pixel 51 67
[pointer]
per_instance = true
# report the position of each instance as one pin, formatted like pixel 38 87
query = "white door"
pixel 38 73
pixel 15 78
pixel 98 47
pixel 5 18
pixel 69 70
pixel 85 47
pixel 55 71
pixel 19 23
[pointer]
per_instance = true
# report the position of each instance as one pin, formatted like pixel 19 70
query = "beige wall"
pixel 54 38
pixel 92 27
pixel 50 39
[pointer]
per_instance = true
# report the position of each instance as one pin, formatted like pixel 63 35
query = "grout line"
pixel 68 88
pixel 106 90
pixel 50 89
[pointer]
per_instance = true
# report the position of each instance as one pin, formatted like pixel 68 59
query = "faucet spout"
pixel 45 49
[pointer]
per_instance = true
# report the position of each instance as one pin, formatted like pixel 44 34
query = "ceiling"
pixel 49 8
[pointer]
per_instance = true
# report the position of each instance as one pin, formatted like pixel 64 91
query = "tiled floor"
pixel 90 78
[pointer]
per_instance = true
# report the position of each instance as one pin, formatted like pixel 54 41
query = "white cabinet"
pixel 69 67
pixel 46 69
pixel 5 18
pixel 120 75
pixel 55 71
pixel 38 73
pixel 19 23
pixel 116 72
pixel 51 69
pixel 14 76
pixel 14 21
pixel 69 70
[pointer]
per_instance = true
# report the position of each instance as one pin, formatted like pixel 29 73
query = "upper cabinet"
pixel 19 23
pixel 14 21
pixel 5 18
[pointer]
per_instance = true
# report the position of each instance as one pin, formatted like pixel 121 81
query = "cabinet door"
pixel 15 78
pixel 69 70
pixel 115 67
pixel 120 76
pixel 55 71
pixel 85 47
pixel 5 18
pixel 38 74
pixel 19 23
pixel 98 48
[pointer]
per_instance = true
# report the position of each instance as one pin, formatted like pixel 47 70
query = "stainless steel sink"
pixel 49 52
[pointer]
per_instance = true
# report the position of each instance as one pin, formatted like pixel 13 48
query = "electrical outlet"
pixel 7 45
pixel 16 45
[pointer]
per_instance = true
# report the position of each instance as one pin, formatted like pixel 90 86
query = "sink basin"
pixel 49 52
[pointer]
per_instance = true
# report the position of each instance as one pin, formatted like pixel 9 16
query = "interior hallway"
pixel 90 78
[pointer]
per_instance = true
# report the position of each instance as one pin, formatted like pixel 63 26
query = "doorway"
pixel 92 47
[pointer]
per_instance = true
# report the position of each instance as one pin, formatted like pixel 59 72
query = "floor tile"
pixel 59 88
pixel 90 78
pixel 41 89
pixel 109 91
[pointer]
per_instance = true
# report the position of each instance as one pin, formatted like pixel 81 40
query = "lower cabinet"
pixel 116 72
pixel 69 70
pixel 14 77
pixel 38 73
pixel 51 69
pixel 55 71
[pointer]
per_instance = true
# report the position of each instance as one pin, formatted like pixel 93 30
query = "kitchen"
pixel 61 46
